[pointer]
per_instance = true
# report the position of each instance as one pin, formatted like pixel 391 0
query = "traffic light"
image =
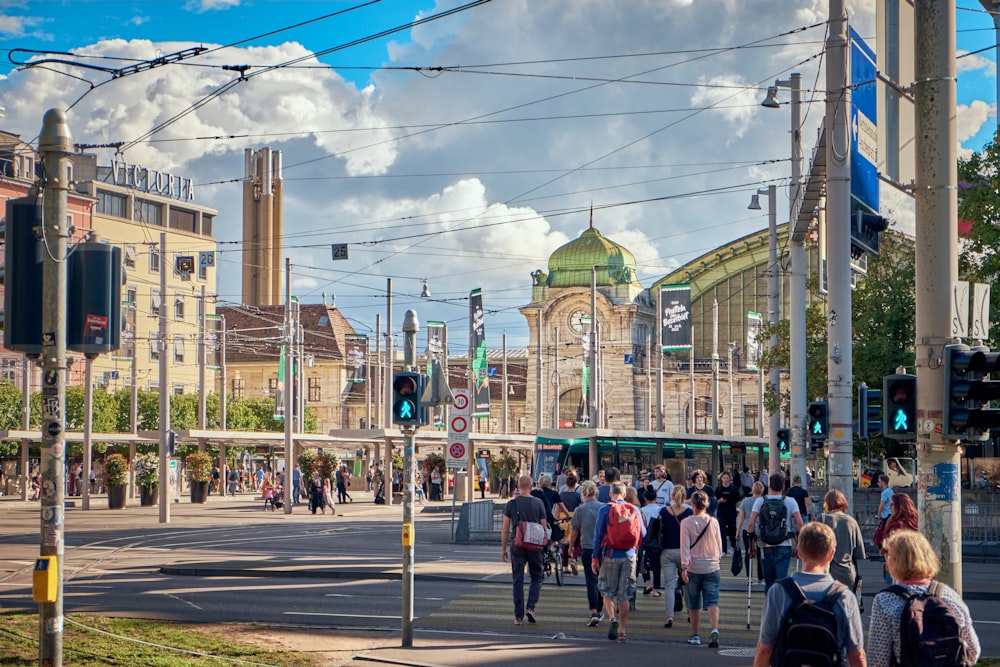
pixel 899 418
pixel 818 422
pixel 968 391
pixel 869 412
pixel 406 390
pixel 784 440
pixel 865 228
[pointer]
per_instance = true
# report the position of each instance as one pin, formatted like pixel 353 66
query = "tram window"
pixel 546 463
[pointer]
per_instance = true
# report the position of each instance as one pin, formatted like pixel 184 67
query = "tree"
pixel 779 357
pixel 979 204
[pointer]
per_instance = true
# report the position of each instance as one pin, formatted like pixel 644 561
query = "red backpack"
pixel 624 527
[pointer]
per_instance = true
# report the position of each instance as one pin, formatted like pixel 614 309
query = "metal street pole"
pixel 88 428
pixel 838 252
pixel 164 386
pixel 289 339
pixel 55 146
pixel 202 361
pixel 410 328
pixel 938 461
pixel 594 419
pixel 222 373
pixel 387 395
pixel 774 375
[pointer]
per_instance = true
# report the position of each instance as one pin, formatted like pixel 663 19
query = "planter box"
pixel 148 495
pixel 116 497
pixel 199 492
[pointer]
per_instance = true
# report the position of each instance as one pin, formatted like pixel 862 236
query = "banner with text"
pixel 675 316
pixel 477 355
pixel 754 321
pixel 437 351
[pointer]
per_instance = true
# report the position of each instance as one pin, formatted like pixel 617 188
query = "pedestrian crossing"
pixel 489 607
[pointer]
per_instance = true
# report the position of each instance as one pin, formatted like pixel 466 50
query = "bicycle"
pixel 552 561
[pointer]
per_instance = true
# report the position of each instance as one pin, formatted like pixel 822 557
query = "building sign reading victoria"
pixel 147 180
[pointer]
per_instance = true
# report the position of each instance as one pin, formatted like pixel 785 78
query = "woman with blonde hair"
pixel 913 565
pixel 743 525
pixel 671 517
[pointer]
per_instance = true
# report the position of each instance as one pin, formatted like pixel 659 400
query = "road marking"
pixel 316 613
pixel 185 602
pixel 395 597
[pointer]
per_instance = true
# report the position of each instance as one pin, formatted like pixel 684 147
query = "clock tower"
pixel 562 330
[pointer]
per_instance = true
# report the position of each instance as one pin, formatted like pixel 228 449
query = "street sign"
pixel 864 126
pixel 462 403
pixel 339 251
pixel 458 430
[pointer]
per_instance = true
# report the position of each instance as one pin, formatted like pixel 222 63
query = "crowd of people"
pixel 673 537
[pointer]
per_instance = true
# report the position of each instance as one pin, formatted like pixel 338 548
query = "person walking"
pixel 316 493
pixel 701 551
pixel 671 518
pixel 801 496
pixel 616 567
pixel 649 554
pixel 727 495
pixel 571 499
pixel 850 543
pixel 296 484
pixel 582 528
pixel 743 525
pixel 913 565
pixel 522 507
pixel 902 516
pixel 662 485
pixel 774 532
pixel 699 481
pixel 816 548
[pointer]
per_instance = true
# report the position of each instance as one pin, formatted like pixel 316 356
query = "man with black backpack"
pixel 810 619
pixel 773 521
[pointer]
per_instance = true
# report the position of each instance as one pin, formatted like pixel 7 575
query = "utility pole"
pixel 289 338
pixel 594 398
pixel 938 461
pixel 164 386
pixel 202 361
pixel 222 372
pixel 387 395
pixel 55 145
pixel 410 328
pixel 88 428
pixel 773 301
pixel 838 252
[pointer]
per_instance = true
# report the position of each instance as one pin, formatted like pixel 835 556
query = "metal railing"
pixel 980 520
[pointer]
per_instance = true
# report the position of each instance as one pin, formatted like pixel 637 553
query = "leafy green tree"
pixel 979 204
pixel 779 357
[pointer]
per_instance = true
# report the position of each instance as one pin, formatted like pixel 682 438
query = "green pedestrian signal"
pixel 784 440
pixel 406 390
pixel 818 420
pixel 899 397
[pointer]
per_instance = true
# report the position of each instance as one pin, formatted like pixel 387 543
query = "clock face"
pixel 576 323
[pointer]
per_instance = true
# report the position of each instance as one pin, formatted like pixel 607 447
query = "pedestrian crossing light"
pixel 968 391
pixel 784 440
pixel 899 395
pixel 818 421
pixel 406 390
pixel 869 412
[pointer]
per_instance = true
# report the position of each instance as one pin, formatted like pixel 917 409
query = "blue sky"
pixel 465 178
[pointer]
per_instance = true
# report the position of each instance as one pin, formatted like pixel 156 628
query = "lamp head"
pixel 771 100
pixel 425 292
pixel 754 202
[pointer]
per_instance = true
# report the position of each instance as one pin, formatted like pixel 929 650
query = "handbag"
pixel 529 535
pixel 678 599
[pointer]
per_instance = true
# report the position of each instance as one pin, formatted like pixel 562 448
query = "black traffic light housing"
pixel 968 391
pixel 784 440
pixel 817 420
pixel 865 228
pixel 899 397
pixel 406 390
pixel 869 412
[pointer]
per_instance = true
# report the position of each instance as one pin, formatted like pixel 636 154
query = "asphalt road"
pixel 231 562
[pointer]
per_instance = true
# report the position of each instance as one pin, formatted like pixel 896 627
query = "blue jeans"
pixel 593 597
pixel 702 590
pixel 518 559
pixel 775 562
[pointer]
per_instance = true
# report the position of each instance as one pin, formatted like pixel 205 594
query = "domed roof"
pixel 571 264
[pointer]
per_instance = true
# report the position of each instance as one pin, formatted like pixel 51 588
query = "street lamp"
pixel 797 277
pixel 774 375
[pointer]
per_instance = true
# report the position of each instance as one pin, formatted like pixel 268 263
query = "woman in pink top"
pixel 701 549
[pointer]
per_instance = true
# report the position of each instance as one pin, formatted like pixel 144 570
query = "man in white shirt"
pixel 663 486
pixel 779 518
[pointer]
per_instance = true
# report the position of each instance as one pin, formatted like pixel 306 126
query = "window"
pixel 154 302
pixel 130 296
pixel 154 347
pixel 8 370
pixel 206 224
pixel 202 271
pixel 179 349
pixel 179 307
pixel 238 388
pixel 111 204
pixel 183 220
pixel 315 390
pixel 148 212
pixel 272 386
pixel 703 415
pixel 129 260
pixel 178 390
pixel 751 424
pixel 154 259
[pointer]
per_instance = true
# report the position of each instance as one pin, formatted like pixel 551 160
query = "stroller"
pixel 279 499
pixel 380 494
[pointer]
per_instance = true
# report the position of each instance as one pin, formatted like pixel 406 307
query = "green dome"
pixel 571 264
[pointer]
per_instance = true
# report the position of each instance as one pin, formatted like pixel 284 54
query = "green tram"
pixel 633 452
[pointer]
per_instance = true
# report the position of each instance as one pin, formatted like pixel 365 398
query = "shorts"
pixel 616 578
pixel 702 590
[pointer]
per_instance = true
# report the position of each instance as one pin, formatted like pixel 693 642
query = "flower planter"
pixel 199 492
pixel 116 497
pixel 148 495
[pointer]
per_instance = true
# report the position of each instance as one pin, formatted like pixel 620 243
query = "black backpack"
pixel 809 632
pixel 929 631
pixel 772 521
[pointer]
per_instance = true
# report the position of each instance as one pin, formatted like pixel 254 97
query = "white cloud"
pixel 974 63
pixel 969 120
pixel 210 5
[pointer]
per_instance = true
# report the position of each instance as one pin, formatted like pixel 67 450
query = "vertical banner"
pixel 279 395
pixel 437 357
pixel 356 356
pixel 477 355
pixel 583 411
pixel 675 316
pixel 754 321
